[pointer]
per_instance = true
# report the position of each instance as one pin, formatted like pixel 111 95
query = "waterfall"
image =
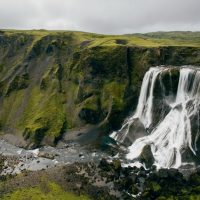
pixel 175 132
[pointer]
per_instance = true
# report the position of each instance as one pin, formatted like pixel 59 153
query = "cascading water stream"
pixel 178 131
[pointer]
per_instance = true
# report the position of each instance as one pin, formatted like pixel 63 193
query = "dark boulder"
pixel 136 130
pixel 146 156
pixel 105 165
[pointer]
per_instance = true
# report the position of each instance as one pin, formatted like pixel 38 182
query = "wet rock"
pixel 81 155
pixel 142 174
pixel 47 155
pixel 117 165
pixel 162 173
pixel 79 134
pixel 153 168
pixel 136 130
pixel 134 190
pixel 105 165
pixel 127 170
pixel 132 179
pixel 146 156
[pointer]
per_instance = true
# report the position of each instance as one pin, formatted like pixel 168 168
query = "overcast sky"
pixel 101 16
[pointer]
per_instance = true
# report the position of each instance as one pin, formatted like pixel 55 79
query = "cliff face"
pixel 53 82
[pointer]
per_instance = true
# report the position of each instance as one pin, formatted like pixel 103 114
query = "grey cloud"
pixel 102 16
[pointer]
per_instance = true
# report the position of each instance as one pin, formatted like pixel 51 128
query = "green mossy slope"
pixel 48 191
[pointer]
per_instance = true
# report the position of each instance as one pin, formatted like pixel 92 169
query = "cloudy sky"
pixel 101 16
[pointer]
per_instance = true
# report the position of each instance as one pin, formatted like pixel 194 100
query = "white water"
pixel 172 135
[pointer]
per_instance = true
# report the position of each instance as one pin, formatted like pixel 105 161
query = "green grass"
pixel 191 39
pixel 51 191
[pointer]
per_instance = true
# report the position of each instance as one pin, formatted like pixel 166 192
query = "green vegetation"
pixel 51 191
pixel 116 95
pixel 178 38
pixel 43 116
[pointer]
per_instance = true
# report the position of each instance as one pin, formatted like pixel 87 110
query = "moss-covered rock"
pixel 19 83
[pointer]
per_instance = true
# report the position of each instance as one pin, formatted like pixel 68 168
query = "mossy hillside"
pixel 9 109
pixel 53 81
pixel 39 81
pixel 43 116
pixel 49 191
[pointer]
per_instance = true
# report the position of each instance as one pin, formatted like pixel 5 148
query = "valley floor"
pixel 99 180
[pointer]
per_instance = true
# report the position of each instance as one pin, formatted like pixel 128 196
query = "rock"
pixel 153 168
pixel 174 173
pixel 142 174
pixel 141 180
pixel 79 134
pixel 136 130
pixel 134 189
pixel 89 116
pixel 117 165
pixel 146 156
pixel 81 155
pixel 163 173
pixel 126 171
pixel 136 170
pixel 47 155
pixel 105 165
pixel 194 179
pixel 132 178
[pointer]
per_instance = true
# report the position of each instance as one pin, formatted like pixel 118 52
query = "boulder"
pixel 146 156
pixel 136 130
